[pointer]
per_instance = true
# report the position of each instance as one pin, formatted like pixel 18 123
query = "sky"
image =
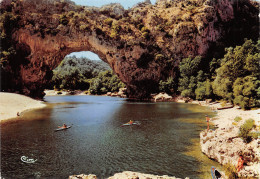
pixel 126 3
pixel 88 54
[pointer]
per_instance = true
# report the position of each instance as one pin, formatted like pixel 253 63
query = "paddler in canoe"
pixel 128 124
pixel 64 126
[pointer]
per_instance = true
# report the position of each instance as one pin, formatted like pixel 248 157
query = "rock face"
pixel 125 175
pixel 142 45
pixel 224 144
pixel 162 97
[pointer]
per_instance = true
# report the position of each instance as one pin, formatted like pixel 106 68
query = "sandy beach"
pixel 11 104
pixel 225 118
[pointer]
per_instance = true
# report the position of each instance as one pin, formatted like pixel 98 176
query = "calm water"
pixel 165 143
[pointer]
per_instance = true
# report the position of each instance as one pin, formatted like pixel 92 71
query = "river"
pixel 165 142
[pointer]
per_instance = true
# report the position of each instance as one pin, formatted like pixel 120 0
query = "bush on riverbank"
pixel 245 130
pixel 105 82
pixel 237 119
pixel 230 171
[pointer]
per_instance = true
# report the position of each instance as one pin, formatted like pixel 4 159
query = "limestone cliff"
pixel 142 45
pixel 125 175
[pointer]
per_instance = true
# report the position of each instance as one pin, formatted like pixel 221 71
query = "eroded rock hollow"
pixel 143 45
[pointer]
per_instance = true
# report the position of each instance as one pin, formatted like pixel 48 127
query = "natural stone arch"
pixel 46 54
pixel 142 45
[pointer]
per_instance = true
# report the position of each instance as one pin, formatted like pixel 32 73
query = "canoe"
pixel 215 173
pixel 127 124
pixel 60 129
pixel 27 160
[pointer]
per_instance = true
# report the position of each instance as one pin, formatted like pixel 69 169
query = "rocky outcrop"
pixel 224 144
pixel 162 97
pixel 121 93
pixel 142 45
pixel 125 175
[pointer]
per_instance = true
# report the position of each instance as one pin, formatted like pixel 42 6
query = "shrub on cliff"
pixel 114 30
pixel 64 19
pixel 245 129
pixel 108 21
pixel 145 32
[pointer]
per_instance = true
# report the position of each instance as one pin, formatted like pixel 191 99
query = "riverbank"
pixel 223 144
pixel 120 93
pixel 13 105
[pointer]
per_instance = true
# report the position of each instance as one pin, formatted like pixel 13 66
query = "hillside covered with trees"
pixel 234 78
pixel 85 74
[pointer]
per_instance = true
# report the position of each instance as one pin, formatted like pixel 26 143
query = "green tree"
pixel 190 76
pixel 245 91
pixel 95 86
pixel 237 79
pixel 75 73
pixel 167 86
pixel 105 82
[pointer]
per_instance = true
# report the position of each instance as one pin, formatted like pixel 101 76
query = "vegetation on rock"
pixel 230 171
pixel 245 130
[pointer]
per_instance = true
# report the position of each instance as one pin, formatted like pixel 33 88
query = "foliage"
pixel 237 78
pixel 75 73
pixel 244 130
pixel 108 21
pixel 238 62
pixel 83 27
pixel 145 32
pixel 237 119
pixel 234 78
pixel 213 65
pixel 115 29
pixel 85 74
pixel 193 82
pixel 105 82
pixel 167 86
pixel 159 57
pixel 8 22
pixel 64 20
pixel 254 135
pixel 245 91
pixel 230 171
